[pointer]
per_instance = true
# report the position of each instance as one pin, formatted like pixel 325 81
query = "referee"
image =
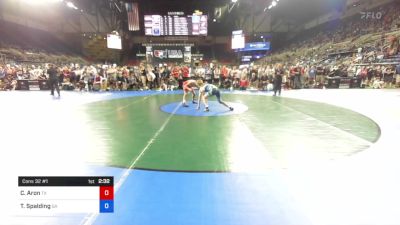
pixel 53 79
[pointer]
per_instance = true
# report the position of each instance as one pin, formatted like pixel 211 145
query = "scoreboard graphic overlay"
pixel 48 195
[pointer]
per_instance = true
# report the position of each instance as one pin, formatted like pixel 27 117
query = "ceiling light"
pixel 37 2
pixel 71 5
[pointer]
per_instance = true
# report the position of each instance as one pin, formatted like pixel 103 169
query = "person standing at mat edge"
pixel 209 90
pixel 278 80
pixel 53 79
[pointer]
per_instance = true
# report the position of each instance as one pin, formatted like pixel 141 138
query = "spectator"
pixel 278 80
pixel 53 80
pixel 244 83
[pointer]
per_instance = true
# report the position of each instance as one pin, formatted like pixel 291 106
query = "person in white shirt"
pixel 377 83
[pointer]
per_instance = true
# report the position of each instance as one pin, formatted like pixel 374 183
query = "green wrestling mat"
pixel 273 133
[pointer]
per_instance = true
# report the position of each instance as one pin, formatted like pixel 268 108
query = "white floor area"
pixel 363 189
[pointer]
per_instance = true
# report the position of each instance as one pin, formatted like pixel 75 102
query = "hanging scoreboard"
pixel 192 25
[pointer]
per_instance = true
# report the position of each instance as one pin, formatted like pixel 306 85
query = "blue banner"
pixel 256 46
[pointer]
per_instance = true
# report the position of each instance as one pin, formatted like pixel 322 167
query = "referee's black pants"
pixel 53 84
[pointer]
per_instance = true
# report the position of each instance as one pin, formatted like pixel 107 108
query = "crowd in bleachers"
pixel 365 49
pixel 98 77
pixel 170 77
pixel 349 29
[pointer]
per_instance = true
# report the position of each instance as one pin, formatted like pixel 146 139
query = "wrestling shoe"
pixel 206 109
pixel 231 108
pixel 184 105
pixel 194 102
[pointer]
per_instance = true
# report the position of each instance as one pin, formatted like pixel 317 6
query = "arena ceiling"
pixel 295 12
pixel 159 6
pixel 303 11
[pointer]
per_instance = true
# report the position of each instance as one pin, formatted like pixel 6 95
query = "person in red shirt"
pixel 185 72
pixel 292 75
pixel 176 72
pixel 244 83
pixel 66 72
pixel 224 73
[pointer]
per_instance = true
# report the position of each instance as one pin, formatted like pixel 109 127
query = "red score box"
pixel 106 193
